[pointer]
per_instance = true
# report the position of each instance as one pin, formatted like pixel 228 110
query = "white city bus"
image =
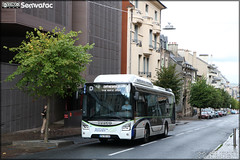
pixel 123 106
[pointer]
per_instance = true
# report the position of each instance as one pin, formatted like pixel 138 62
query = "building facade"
pixel 18 110
pixel 144 53
pixel 100 23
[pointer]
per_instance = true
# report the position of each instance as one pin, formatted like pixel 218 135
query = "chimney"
pixel 204 57
pixel 194 60
pixel 173 46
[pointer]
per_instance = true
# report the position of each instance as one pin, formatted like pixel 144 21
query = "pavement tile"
pixel 57 131
pixel 226 150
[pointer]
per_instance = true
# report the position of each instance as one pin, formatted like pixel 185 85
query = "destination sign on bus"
pixel 108 88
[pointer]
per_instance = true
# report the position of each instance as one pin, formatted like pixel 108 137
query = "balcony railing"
pixel 150 46
pixel 138 42
pixel 148 74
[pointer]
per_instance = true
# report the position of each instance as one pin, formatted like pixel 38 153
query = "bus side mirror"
pixel 136 96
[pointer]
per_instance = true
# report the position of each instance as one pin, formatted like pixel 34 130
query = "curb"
pixel 219 153
pixel 41 143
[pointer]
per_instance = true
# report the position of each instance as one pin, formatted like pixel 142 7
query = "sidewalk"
pixel 57 131
pixel 226 150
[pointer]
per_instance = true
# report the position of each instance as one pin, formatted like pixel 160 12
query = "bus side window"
pixel 141 106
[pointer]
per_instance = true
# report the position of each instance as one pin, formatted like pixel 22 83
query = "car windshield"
pixel 107 101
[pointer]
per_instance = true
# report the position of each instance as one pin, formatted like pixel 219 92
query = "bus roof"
pixel 122 78
pixel 129 78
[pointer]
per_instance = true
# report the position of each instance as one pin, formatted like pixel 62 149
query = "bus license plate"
pixel 104 136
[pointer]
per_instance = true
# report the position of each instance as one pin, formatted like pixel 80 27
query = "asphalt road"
pixel 193 140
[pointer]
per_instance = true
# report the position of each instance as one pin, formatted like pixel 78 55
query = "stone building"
pixel 145 52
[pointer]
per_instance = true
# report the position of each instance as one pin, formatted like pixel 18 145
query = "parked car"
pixel 204 115
pixel 216 114
pixel 233 112
pixel 220 113
pixel 224 113
pixel 210 112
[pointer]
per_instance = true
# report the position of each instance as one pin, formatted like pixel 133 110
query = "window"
pixel 162 63
pixel 158 64
pixel 147 65
pixel 136 33
pixel 155 15
pixel 146 8
pixel 144 64
pixel 166 64
pixel 136 3
pixel 150 38
pixel 155 41
pixel 139 62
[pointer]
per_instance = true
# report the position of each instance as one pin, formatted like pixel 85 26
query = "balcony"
pixel 156 28
pixel 148 20
pixel 137 17
pixel 150 47
pixel 147 74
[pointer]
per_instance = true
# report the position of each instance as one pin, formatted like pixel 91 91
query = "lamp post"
pixel 169 27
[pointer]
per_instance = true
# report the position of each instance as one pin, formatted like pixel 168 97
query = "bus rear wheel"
pixel 146 135
pixel 165 133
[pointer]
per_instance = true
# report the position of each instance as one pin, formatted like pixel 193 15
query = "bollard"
pixel 234 137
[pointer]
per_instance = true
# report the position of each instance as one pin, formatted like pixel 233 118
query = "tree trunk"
pixel 47 120
pixel 200 114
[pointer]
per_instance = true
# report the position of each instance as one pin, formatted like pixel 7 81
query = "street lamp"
pixel 169 27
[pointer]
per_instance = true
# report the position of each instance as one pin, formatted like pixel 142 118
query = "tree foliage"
pixel 203 95
pixel 167 77
pixel 50 63
pixel 234 103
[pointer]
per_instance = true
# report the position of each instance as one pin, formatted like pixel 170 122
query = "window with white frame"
pixel 146 9
pixel 150 38
pixel 139 62
pixel 136 3
pixel 155 15
pixel 136 33
pixel 155 41
pixel 144 64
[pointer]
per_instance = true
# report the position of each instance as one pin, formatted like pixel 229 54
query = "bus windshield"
pixel 107 101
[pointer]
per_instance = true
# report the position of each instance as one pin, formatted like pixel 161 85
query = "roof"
pixel 162 4
pixel 122 78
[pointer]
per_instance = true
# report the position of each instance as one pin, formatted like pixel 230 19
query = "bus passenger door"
pixel 160 118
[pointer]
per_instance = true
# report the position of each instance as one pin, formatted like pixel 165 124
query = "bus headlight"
pixel 85 126
pixel 126 127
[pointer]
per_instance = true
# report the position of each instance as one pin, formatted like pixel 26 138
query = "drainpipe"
pixel 130 52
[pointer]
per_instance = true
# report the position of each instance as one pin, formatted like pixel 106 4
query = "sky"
pixel 207 27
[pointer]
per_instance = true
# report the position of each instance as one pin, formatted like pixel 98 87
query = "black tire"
pixel 103 140
pixel 165 133
pixel 146 134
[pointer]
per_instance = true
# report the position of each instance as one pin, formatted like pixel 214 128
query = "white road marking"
pixel 196 129
pixel 179 134
pixel 120 151
pixel 189 131
pixel 148 143
pixel 166 138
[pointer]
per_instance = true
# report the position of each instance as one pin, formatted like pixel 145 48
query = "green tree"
pixel 169 78
pixel 226 99
pixel 201 94
pixel 50 64
pixel 234 103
